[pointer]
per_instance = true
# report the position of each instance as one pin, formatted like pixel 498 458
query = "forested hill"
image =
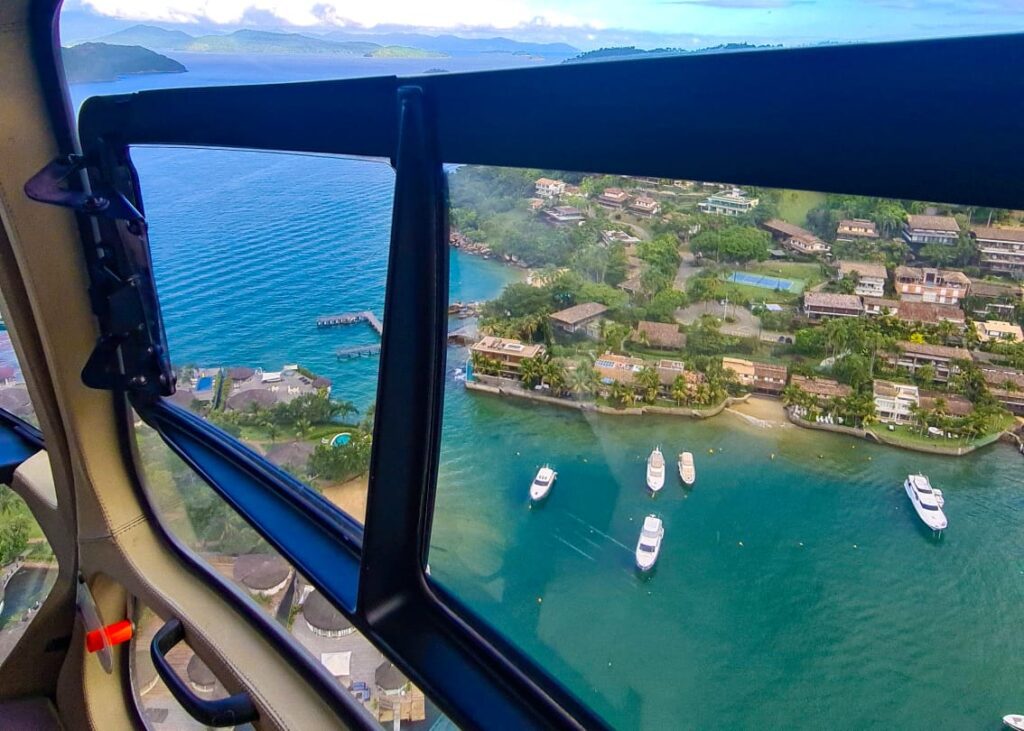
pixel 634 52
pixel 89 62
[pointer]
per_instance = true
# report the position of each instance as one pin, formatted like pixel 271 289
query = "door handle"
pixel 231 711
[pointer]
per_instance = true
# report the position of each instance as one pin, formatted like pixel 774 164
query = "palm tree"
pixel 648 382
pixel 557 378
pixel 583 379
pixel 531 371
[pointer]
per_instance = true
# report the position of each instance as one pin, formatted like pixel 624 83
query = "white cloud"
pixel 434 14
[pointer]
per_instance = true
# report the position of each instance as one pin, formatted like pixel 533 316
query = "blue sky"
pixel 593 23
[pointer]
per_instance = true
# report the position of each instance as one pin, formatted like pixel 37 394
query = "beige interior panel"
pixel 118 548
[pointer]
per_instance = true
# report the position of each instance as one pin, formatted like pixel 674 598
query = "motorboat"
pixel 656 470
pixel 1014 721
pixel 542 483
pixel 649 545
pixel 687 472
pixel 927 502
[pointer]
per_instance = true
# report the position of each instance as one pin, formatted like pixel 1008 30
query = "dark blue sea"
pixel 796 588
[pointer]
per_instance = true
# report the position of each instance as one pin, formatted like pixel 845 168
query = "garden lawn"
pixel 794 205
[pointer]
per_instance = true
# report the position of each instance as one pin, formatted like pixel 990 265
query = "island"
pixel 92 62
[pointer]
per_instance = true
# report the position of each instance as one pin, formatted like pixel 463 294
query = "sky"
pixel 592 23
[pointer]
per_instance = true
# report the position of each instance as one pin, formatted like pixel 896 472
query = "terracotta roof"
pixel 388 677
pixel 260 571
pixel 917 274
pixel 998 234
pixel 769 370
pixel 928 313
pixel 241 373
pixel 995 290
pixel 891 389
pixel 579 313
pixel 243 400
pixel 787 229
pixel 321 614
pixel 506 346
pixel 821 386
pixel 863 269
pixel 955 405
pixel 933 223
pixel 939 351
pixel 882 302
pixel 847 224
pixel 662 334
pixel 828 299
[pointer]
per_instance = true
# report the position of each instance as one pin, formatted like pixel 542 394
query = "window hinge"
pixel 55 185
pixel 130 354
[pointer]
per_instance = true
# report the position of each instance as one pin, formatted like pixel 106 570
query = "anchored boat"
pixel 649 545
pixel 542 483
pixel 1014 721
pixel 927 501
pixel 656 470
pixel 687 472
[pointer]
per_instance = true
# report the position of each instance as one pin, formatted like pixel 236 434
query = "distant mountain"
pixel 456 46
pixel 257 41
pixel 149 36
pixel 632 51
pixel 88 62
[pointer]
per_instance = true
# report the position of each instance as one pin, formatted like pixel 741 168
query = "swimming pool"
pixel 341 440
pixel 766 282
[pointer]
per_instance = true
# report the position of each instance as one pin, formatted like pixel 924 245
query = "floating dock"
pixel 357 351
pixel 351 318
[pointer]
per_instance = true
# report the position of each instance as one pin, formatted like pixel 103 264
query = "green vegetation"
pixel 794 205
pixel 732 244
pixel 16 525
pixel 90 62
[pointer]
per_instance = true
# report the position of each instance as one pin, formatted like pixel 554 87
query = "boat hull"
pixel 934 519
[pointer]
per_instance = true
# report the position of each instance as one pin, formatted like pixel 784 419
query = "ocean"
pixel 796 588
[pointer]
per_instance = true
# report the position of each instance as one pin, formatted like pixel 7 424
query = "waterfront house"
pixel 941 358
pixel 733 202
pixel 856 228
pixel 895 402
pixel 618 237
pixel 952 404
pixel 796 239
pixel 548 188
pixel 613 198
pixel 563 215
pixel 645 206
pixel 929 314
pixel 756 376
pixel 998 330
pixel 769 378
pixel 821 305
pixel 1006 385
pixel 995 298
pixel 871 277
pixel 668 371
pixel 663 335
pixel 583 318
pixel 880 306
pixel 822 391
pixel 741 368
pixel 507 352
pixel 574 190
pixel 925 284
pixel 612 367
pixel 535 204
pixel 1000 250
pixel 923 230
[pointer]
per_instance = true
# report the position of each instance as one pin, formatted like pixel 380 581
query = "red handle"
pixel 117 633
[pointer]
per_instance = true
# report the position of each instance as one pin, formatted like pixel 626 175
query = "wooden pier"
pixel 357 351
pixel 351 318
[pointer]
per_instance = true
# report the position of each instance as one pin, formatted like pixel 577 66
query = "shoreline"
pixel 763 412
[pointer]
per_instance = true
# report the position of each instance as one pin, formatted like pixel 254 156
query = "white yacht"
pixel 687 472
pixel 656 470
pixel 649 545
pixel 927 502
pixel 1014 721
pixel 542 483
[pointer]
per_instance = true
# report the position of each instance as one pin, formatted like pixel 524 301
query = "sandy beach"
pixel 768 413
pixel 350 496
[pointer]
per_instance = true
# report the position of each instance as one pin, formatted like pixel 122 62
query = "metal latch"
pixel 54 185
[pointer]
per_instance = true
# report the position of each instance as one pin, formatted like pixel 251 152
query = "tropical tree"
pixel 583 379
pixel 615 335
pixel 647 382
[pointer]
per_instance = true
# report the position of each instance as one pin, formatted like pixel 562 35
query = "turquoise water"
pixel 340 440
pixel 838 610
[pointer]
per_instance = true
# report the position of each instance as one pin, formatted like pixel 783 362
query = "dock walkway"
pixel 350 318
